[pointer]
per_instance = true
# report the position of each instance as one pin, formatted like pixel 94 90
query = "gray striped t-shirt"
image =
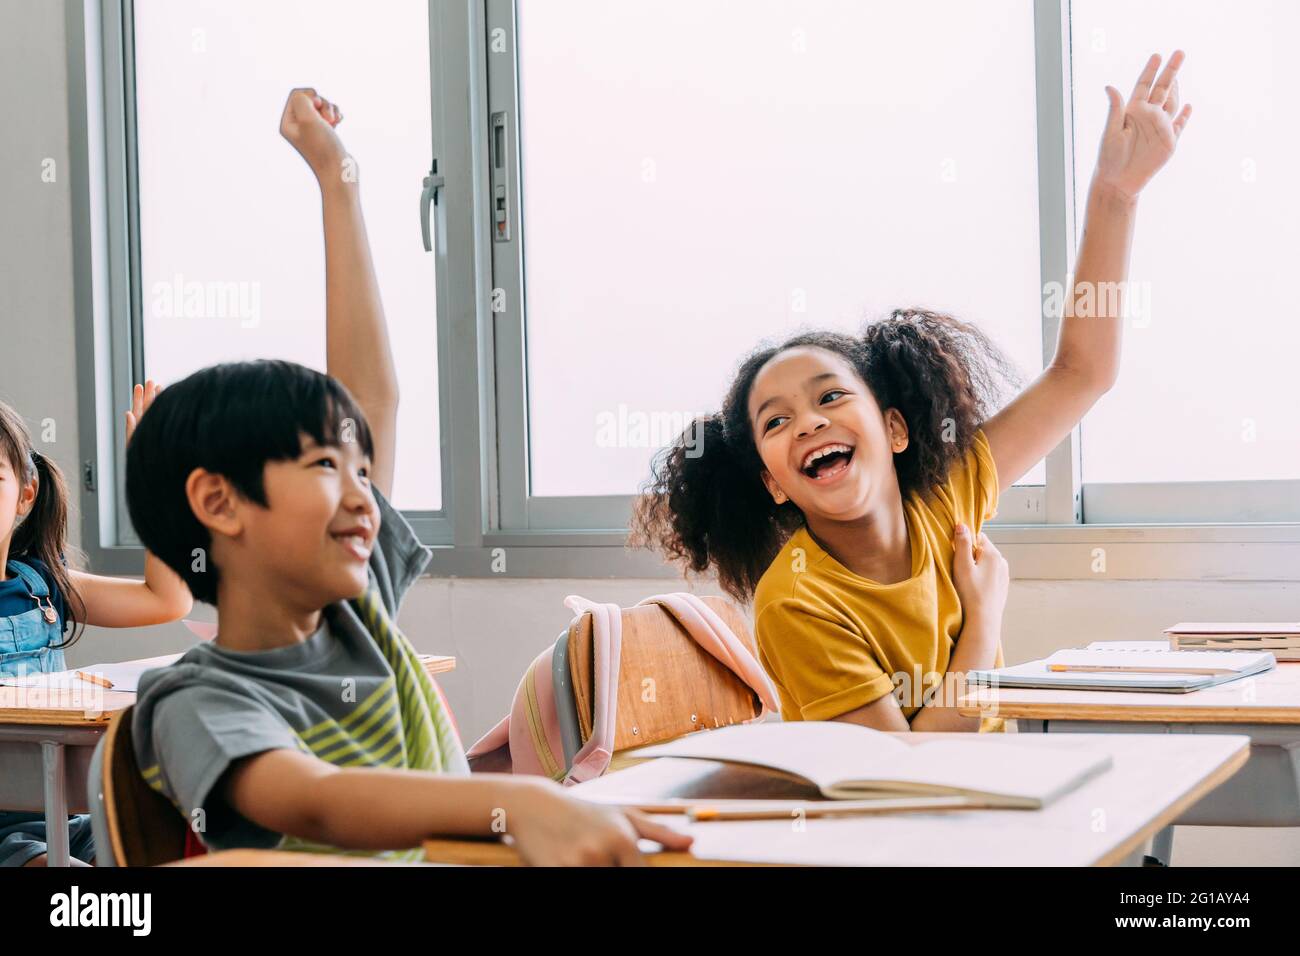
pixel 332 696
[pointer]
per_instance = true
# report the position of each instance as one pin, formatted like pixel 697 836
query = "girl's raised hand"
pixel 308 124
pixel 142 397
pixel 1140 136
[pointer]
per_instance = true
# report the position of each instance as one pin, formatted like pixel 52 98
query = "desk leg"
pixel 1162 847
pixel 56 804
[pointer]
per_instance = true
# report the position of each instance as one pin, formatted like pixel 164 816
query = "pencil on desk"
pixel 95 679
pixel 703 813
pixel 470 852
pixel 1119 669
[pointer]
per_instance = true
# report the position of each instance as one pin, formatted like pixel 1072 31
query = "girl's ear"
pixel 896 427
pixel 213 502
pixel 774 489
pixel 27 496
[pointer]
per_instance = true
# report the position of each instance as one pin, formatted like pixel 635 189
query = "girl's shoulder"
pixel 43 569
pixel 789 570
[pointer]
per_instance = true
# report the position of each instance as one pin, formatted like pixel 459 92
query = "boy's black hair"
pixel 229 419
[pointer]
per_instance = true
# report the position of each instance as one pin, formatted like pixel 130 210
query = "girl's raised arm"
pixel 1139 139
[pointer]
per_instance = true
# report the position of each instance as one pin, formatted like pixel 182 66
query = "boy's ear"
pixel 896 428
pixel 213 500
pixel 774 489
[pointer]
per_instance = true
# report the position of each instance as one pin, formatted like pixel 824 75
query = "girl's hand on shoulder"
pixel 308 124
pixel 550 828
pixel 981 575
pixel 1140 136
pixel 142 397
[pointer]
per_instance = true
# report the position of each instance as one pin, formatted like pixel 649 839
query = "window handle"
pixel 433 184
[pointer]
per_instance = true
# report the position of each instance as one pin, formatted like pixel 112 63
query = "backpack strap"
pixel 36 585
pixel 713 634
pixel 607 643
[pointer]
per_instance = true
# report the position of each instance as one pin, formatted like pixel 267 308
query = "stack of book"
pixel 1133 666
pixel 1283 640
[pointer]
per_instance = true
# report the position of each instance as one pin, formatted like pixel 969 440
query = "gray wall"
pixel 494 627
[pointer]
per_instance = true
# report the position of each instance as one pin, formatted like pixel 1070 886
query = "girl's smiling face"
pixel 824 441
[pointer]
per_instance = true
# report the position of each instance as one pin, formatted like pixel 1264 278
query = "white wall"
pixel 494 627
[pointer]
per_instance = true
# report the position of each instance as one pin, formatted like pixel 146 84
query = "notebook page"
pixel 1128 646
pixel 823 752
pixel 1037 773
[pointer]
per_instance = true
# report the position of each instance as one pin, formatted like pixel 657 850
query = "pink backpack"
pixel 544 733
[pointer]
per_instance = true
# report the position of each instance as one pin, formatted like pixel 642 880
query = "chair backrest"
pixel 668 685
pixel 133 824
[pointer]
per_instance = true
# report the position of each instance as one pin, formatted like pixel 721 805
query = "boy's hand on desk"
pixel 551 828
pixel 308 124
pixel 1140 136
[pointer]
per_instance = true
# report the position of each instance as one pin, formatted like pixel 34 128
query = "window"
pixel 634 194
pixel 698 176
pixel 1201 425
pixel 231 262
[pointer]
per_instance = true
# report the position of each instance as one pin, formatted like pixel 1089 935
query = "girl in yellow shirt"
pixel 845 482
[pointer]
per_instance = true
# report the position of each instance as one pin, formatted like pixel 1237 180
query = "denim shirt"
pixel 26 639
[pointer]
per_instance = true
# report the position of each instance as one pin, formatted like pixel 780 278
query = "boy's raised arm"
pixel 357 350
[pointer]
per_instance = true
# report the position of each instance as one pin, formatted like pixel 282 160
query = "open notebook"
pixel 849 762
pixel 1133 668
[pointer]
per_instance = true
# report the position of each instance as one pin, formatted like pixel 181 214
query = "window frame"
pixel 489 526
pixel 107 246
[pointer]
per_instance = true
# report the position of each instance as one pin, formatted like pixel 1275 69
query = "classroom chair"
pixel 133 824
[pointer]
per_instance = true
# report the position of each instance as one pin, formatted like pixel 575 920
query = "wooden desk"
pixel 1265 708
pixel 47 739
pixel 224 858
pixel 1107 821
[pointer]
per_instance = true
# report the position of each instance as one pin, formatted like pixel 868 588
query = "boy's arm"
pixel 377 809
pixel 1139 139
pixel 357 350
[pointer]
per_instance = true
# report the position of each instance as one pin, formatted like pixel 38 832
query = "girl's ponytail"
pixel 705 505
pixel 944 376
pixel 43 532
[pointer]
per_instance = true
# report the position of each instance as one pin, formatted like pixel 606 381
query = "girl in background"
pixel 45 605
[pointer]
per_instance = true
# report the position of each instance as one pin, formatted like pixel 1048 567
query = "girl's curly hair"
pixel 705 504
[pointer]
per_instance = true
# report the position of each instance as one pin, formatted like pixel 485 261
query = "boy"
pixel 264 485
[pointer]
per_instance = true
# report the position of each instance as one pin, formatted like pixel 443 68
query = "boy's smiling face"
pixel 825 443
pixel 318 527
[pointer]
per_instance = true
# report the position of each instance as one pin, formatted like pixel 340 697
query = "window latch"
pixel 433 184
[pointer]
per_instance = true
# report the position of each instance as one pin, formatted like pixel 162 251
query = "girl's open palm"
pixel 1141 135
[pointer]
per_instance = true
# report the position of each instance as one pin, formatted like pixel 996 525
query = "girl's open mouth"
pixel 827 462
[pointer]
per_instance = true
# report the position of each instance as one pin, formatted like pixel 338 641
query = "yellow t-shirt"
pixel 833 641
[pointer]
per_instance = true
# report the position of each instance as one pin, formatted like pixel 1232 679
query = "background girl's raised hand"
pixel 142 397
pixel 1140 136
pixel 308 124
